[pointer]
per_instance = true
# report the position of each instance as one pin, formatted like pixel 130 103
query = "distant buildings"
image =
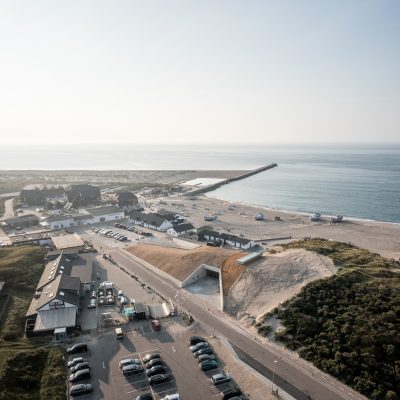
pixel 83 195
pixel 40 195
pixel 124 199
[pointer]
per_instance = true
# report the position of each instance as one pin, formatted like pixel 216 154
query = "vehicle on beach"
pixel 315 217
pixel 338 218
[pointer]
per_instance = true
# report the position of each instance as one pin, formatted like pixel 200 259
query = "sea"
pixel 359 181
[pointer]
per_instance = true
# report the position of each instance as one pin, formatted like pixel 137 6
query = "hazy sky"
pixel 199 71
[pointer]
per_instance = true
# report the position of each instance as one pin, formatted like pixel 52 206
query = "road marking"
pixel 104 366
pixel 173 348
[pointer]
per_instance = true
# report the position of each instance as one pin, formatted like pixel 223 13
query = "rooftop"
pixel 67 241
pixel 104 210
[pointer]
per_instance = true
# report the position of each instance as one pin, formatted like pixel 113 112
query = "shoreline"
pixel 376 236
pixel 325 217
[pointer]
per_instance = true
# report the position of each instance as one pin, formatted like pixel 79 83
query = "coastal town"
pixel 155 268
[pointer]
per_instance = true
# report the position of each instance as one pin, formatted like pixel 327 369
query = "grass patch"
pixel 33 374
pixel 14 320
pixel 348 325
pixel 2 204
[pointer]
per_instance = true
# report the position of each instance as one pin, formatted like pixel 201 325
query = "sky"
pixel 199 71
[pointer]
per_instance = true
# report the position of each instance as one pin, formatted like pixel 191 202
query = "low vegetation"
pixel 27 371
pixel 33 374
pixel 349 324
pixel 2 204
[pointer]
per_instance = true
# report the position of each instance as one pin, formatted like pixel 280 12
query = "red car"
pixel 156 325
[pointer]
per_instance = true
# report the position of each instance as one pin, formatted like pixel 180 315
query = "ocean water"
pixel 353 180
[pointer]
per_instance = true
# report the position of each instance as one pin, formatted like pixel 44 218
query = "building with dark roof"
pixel 226 239
pixel 150 220
pixel 181 229
pixel 81 195
pixel 23 221
pixel 124 199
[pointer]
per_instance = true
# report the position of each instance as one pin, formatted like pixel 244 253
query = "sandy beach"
pixel 378 237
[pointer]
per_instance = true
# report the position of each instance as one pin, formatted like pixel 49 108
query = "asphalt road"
pixel 291 369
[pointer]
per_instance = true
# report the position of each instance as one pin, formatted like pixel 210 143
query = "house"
pixel 124 199
pixel 231 240
pixel 105 213
pixel 181 229
pixel 56 222
pixel 24 221
pixel 68 244
pixel 55 306
pixel 40 195
pixel 150 220
pixel 83 194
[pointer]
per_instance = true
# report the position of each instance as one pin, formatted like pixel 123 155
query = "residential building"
pixel 225 239
pixel 105 213
pixel 181 229
pixel 150 220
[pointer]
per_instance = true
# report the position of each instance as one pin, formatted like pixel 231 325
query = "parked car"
pixel 171 397
pixel 79 375
pixel 78 367
pixel 157 369
pixel 78 390
pixel 156 325
pixel 230 392
pixel 110 300
pixel 198 346
pixel 150 356
pixel 218 379
pixel 132 369
pixel 157 379
pixel 119 334
pixel 93 294
pixel 75 361
pixel 119 294
pixel 102 301
pixel 205 357
pixel 208 365
pixel 77 348
pixel 153 363
pixel 145 396
pixel 195 339
pixel 207 350
pixel 129 361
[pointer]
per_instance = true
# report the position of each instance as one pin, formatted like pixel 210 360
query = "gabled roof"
pixel 225 236
pixel 183 227
pixel 104 210
pixel 151 219
pixel 63 288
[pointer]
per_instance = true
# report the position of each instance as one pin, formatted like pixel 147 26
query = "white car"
pixel 171 397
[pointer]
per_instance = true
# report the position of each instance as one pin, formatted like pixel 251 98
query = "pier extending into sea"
pixel 226 181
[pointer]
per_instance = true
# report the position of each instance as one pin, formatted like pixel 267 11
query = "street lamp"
pixel 273 374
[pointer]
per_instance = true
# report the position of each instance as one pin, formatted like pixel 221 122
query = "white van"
pixel 118 333
pixel 171 397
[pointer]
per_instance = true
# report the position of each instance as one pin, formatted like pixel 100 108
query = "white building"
pixel 151 221
pixel 231 240
pixel 105 214
pixel 181 229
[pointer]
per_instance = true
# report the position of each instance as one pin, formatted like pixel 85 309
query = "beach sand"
pixel 378 237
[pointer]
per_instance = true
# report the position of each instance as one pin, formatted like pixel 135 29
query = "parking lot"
pixel 105 353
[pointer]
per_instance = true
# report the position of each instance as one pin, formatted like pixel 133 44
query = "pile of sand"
pixel 274 279
pixel 180 263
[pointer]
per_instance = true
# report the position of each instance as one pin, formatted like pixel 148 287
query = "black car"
pixel 207 350
pixel 230 392
pixel 157 379
pixel 150 356
pixel 205 357
pixel 158 369
pixel 208 365
pixel 196 339
pixel 145 396
pixel 77 348
pixel 153 363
